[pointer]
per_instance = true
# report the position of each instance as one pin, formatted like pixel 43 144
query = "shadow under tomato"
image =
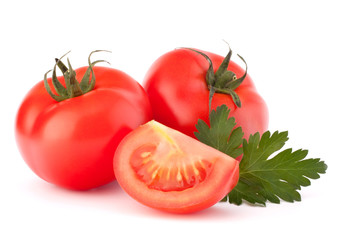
pixel 113 200
pixel 218 212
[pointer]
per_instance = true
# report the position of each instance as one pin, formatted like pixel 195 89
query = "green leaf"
pixel 221 134
pixel 264 177
pixel 245 190
pixel 266 172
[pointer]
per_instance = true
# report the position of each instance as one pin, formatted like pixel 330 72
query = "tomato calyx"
pixel 223 80
pixel 73 88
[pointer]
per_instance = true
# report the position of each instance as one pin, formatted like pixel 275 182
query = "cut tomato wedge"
pixel 167 170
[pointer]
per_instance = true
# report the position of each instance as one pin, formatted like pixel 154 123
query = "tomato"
pixel 178 86
pixel 71 143
pixel 170 171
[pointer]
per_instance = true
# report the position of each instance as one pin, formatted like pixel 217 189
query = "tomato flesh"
pixel 167 170
pixel 174 172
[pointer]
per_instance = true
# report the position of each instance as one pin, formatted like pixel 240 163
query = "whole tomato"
pixel 185 84
pixel 68 135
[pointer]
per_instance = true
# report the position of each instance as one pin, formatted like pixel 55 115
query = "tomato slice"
pixel 167 170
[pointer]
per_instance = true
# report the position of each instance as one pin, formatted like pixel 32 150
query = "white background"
pixel 292 50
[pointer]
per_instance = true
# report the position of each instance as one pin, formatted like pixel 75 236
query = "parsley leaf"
pixel 263 177
pixel 267 173
pixel 221 134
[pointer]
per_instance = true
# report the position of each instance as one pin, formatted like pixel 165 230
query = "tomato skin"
pixel 179 94
pixel 71 143
pixel 220 181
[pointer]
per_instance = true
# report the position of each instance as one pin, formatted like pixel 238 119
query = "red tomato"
pixel 167 170
pixel 71 143
pixel 179 94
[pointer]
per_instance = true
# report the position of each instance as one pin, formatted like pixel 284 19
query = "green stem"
pixel 223 81
pixel 73 87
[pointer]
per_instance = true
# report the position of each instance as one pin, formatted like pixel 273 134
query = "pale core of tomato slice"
pixel 164 165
